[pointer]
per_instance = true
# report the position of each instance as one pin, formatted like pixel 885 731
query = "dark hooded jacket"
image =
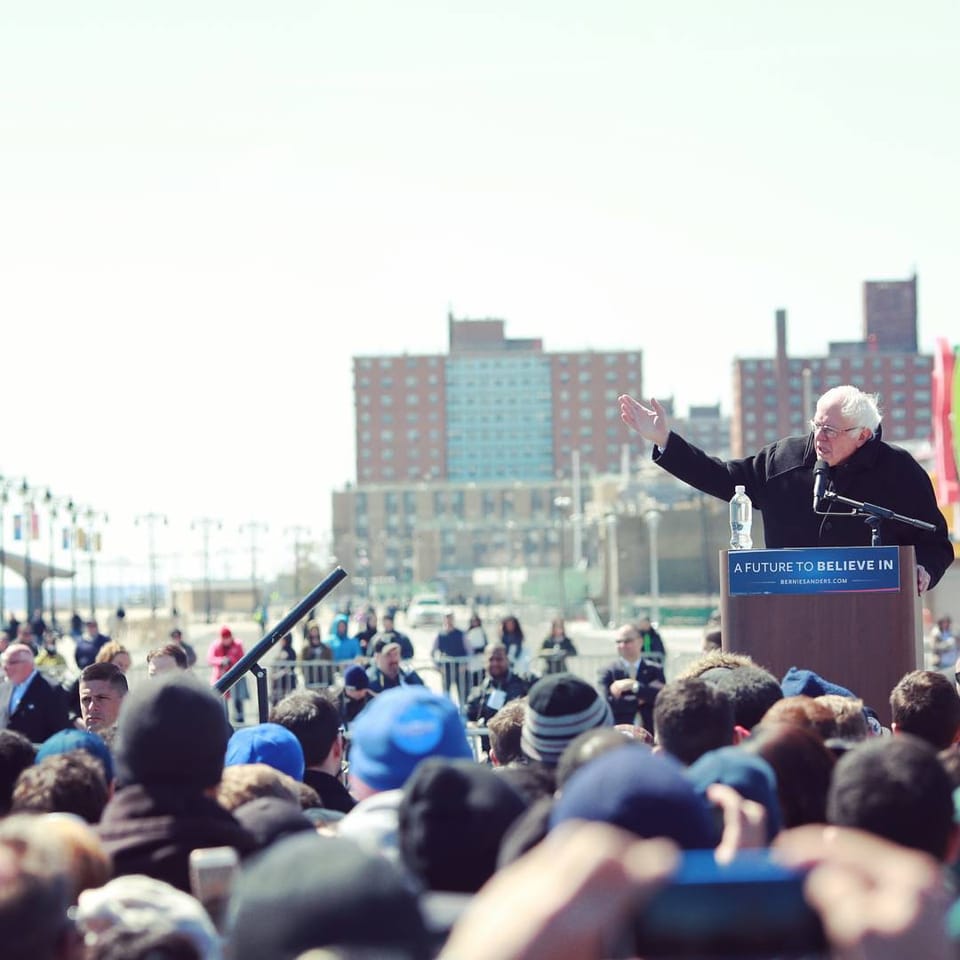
pixel 779 481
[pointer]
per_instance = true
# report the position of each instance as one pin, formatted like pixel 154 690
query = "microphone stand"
pixel 872 515
pixel 250 661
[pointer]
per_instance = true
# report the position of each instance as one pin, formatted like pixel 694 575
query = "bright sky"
pixel 208 207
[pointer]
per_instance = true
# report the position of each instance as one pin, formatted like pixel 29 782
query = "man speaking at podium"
pixel 785 480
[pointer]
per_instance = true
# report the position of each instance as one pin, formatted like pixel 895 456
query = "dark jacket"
pixel 86 648
pixel 380 682
pixel 513 685
pixel 42 710
pixel 333 794
pixel 152 830
pixel 452 644
pixel 625 708
pixel 779 481
pixel 554 653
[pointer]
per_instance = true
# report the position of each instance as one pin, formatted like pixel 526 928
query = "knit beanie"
pixel 559 707
pixel 355 676
pixel 307 891
pixel 797 682
pixel 452 818
pixel 171 730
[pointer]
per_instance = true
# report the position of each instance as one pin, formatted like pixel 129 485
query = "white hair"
pixel 862 409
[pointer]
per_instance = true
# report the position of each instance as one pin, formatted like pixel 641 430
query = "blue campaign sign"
pixel 813 570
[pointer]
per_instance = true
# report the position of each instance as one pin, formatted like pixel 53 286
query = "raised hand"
pixel 649 421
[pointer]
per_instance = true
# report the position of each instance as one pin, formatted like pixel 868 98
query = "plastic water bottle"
pixel 741 520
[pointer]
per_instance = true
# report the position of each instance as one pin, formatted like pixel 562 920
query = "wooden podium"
pixel 863 640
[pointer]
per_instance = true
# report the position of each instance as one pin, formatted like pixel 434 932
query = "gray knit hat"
pixel 560 707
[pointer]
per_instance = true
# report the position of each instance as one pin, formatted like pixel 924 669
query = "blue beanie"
pixel 401 727
pixel 641 791
pixel 797 682
pixel 268 743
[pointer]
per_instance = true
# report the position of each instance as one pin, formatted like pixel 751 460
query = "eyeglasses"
pixel 629 639
pixel 831 433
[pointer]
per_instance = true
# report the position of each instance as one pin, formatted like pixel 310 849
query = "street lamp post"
pixel 206 524
pixel 4 488
pixel 92 517
pixel 563 504
pixel 26 528
pixel 652 518
pixel 151 520
pixel 52 505
pixel 297 543
pixel 613 570
pixel 253 528
pixel 74 512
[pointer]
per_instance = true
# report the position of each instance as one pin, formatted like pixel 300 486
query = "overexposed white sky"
pixel 207 208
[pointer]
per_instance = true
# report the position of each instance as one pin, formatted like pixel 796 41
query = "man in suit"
pixel 631 683
pixel 28 703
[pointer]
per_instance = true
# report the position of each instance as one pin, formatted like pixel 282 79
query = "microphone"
pixel 821 477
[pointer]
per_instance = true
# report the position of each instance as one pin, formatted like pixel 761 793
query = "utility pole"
pixel 74 511
pixel 4 490
pixel 53 504
pixel 253 528
pixel 93 545
pixel 151 520
pixel 205 525
pixel 297 531
pixel 26 529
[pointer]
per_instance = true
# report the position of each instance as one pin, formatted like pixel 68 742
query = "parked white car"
pixel 426 610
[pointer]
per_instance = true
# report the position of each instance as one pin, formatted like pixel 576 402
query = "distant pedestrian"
pixel 450 654
pixel 224 654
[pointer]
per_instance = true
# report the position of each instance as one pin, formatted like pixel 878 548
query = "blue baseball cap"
pixel 268 743
pixel 71 739
pixel 400 728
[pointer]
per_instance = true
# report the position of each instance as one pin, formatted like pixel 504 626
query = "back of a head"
pixel 505 728
pixel 452 817
pixel 894 787
pixel 751 689
pixel 171 731
pixel 308 891
pixel 691 717
pixel 803 766
pixel 714 659
pixel 313 719
pixel 71 782
pixel 850 722
pixel 35 891
pixel 139 916
pixel 588 745
pixel 803 711
pixel 399 729
pixel 16 754
pixel 925 703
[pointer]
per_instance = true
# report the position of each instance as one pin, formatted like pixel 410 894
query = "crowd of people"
pixel 147 825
